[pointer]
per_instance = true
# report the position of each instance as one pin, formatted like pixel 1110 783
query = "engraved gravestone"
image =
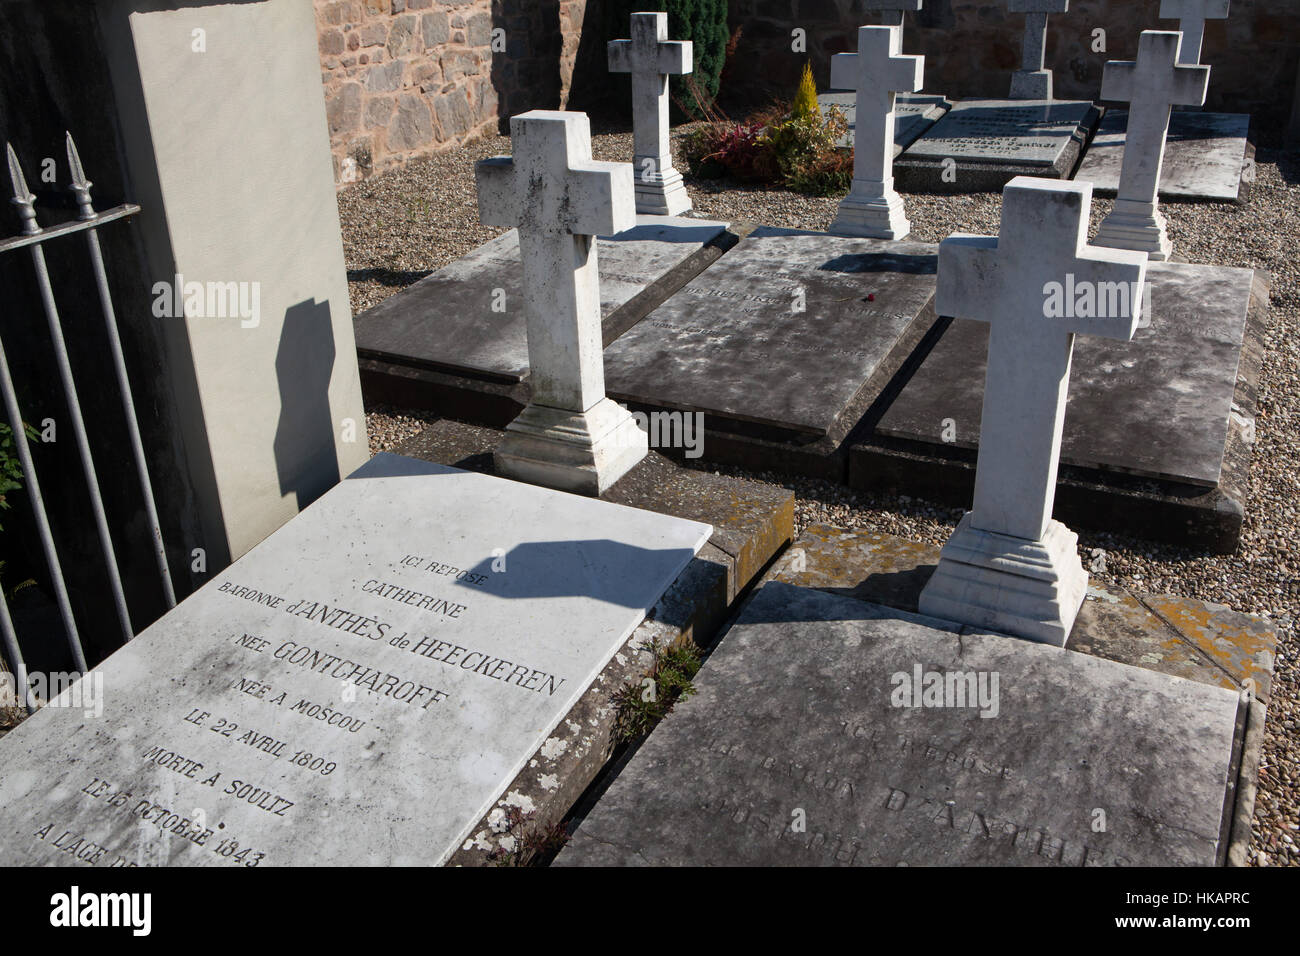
pixel 982 144
pixel 914 113
pixel 827 731
pixel 357 689
pixel 1207 155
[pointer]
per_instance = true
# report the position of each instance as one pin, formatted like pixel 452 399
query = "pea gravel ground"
pixel 400 226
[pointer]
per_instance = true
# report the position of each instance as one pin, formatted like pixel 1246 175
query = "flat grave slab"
pixel 783 332
pixel 385 663
pixel 1157 441
pixel 1205 155
pixel 468 316
pixel 980 145
pixel 914 113
pixel 809 741
pixel 1157 406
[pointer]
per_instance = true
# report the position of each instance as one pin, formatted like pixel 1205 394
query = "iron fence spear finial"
pixel 80 184
pixel 23 197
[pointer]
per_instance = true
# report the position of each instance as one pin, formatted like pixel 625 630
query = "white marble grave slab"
pixel 413 637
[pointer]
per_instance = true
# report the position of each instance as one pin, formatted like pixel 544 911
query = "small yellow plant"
pixel 805 100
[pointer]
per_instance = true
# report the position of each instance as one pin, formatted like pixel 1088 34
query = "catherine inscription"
pixel 358 689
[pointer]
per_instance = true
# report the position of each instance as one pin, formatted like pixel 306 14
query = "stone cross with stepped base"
pixel 1191 16
pixel 1152 84
pixel 876 73
pixel 891 11
pixel 571 436
pixel 650 57
pixel 1009 567
pixel 1032 81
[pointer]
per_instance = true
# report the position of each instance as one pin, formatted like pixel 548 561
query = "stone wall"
pixel 406 78
pixel 971 47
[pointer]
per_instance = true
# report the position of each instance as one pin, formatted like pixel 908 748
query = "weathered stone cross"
pixel 570 436
pixel 1009 566
pixel 1032 81
pixel 891 11
pixel 1191 16
pixel 650 56
pixel 1151 85
pixel 876 73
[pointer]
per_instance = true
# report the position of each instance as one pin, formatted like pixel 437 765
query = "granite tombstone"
pixel 979 145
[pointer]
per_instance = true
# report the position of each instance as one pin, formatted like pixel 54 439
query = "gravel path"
pixel 400 226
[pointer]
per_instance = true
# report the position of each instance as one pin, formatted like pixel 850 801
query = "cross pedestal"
pixel 650 57
pixel 1032 81
pixel 876 72
pixel 1009 566
pixel 1152 84
pixel 570 436
pixel 1191 16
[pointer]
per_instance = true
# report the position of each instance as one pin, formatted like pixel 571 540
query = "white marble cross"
pixel 650 57
pixel 876 73
pixel 1191 16
pixel 571 436
pixel 1032 81
pixel 1151 84
pixel 1008 565
pixel 891 11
